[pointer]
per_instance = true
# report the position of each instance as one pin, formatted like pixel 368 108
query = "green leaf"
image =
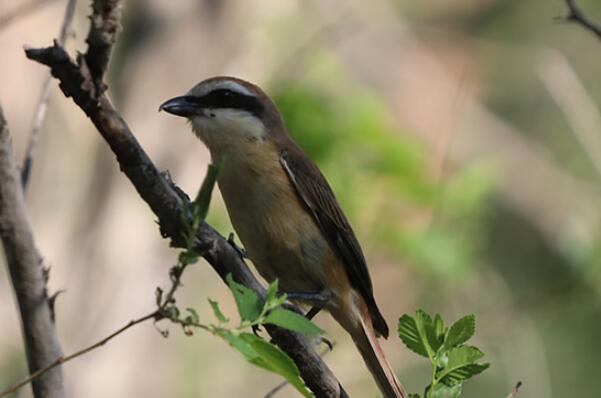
pixel 217 311
pixel 461 365
pixel 421 334
pixel 274 359
pixel 250 306
pixel 438 332
pixel 203 199
pixel 461 331
pixel 409 333
pixel 271 298
pixel 193 318
pixel 444 391
pixel 293 321
pixel 188 257
pixel 239 344
pixel 413 396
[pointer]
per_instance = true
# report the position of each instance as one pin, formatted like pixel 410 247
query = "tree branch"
pixel 164 305
pixel 105 24
pixel 40 113
pixel 515 390
pixel 577 16
pixel 27 275
pixel 82 80
pixel 62 359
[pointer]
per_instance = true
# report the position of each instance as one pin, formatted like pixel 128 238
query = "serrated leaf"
pixel 217 311
pixel 461 331
pixel 409 334
pixel 444 391
pixel 249 304
pixel 427 331
pixel 461 365
pixel 293 321
pixel 460 375
pixel 438 333
pixel 272 358
pixel 420 333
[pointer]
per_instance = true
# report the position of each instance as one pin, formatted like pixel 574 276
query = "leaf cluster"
pixel 452 360
pixel 254 311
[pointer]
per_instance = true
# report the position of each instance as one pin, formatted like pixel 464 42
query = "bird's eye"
pixel 225 93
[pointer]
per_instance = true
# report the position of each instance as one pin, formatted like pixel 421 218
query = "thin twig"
pixel 577 16
pixel 63 359
pixel 42 106
pixel 272 393
pixel 573 99
pixel 162 312
pixel 22 10
pixel 514 392
pixel 458 101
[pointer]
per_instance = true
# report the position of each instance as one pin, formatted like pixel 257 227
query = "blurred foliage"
pixel 381 175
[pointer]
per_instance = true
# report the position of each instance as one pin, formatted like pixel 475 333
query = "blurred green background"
pixel 462 138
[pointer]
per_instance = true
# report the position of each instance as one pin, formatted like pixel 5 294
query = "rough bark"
pixel 27 275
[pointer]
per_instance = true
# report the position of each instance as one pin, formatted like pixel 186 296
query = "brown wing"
pixel 315 192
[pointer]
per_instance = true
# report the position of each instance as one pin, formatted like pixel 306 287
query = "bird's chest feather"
pixel 278 233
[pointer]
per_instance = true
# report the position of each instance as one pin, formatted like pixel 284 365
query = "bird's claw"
pixel 327 342
pixel 256 329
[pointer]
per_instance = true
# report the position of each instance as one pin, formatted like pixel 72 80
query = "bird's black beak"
pixel 186 106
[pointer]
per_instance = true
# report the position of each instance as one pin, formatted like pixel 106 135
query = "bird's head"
pixel 227 112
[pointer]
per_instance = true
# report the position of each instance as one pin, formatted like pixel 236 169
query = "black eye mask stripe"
pixel 224 98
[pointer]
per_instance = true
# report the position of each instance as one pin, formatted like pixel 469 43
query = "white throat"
pixel 228 132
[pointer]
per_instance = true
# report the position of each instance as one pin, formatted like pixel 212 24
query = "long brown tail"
pixel 361 330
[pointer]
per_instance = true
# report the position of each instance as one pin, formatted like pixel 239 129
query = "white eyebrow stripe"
pixel 230 85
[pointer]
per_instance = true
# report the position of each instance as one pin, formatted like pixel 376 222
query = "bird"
pixel 285 212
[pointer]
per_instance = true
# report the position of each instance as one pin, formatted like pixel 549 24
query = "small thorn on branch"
pixel 51 303
pixel 575 15
pixel 514 392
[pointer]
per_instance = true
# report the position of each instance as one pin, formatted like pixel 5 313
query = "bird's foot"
pixel 256 330
pixel 327 342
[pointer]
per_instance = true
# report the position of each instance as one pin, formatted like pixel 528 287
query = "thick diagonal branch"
pixel 27 275
pixel 167 203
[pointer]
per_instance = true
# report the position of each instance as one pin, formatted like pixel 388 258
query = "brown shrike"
pixel 285 213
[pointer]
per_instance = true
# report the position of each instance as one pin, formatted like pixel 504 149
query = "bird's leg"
pixel 312 312
pixel 256 329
